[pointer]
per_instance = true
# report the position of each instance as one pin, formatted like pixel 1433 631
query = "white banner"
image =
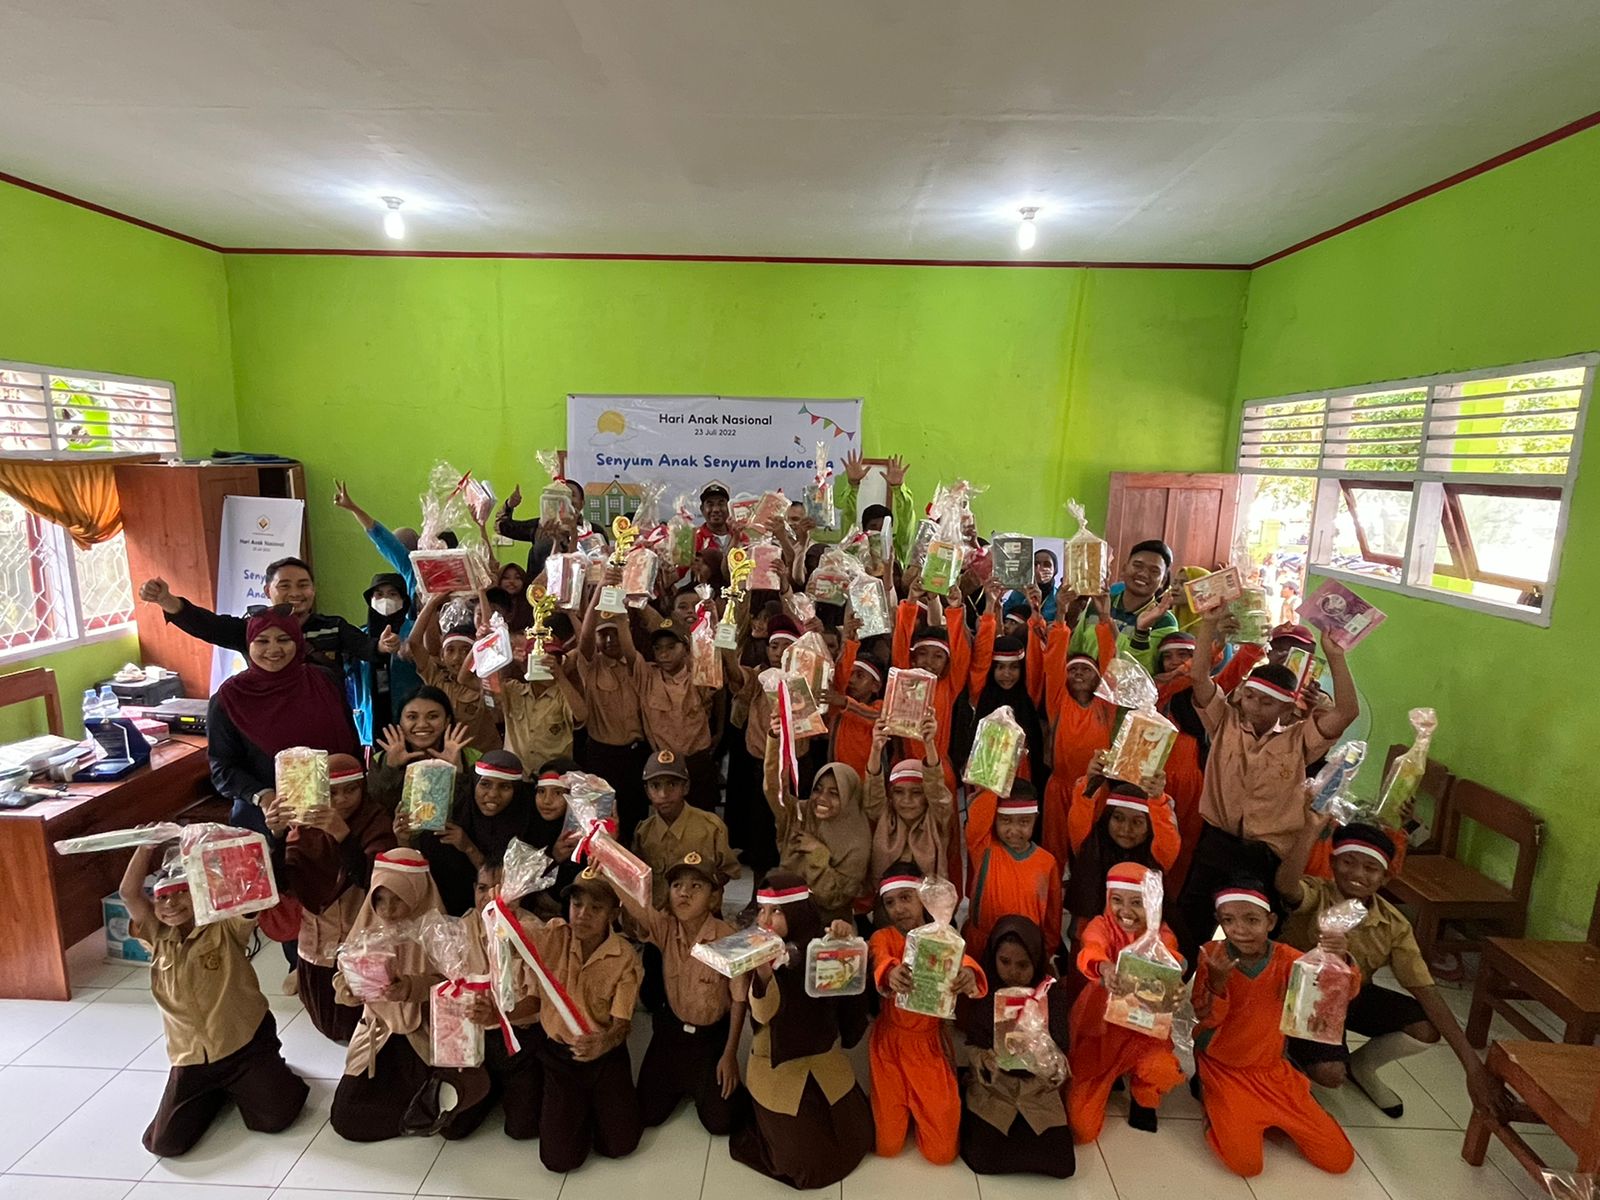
pixel 616 442
pixel 256 531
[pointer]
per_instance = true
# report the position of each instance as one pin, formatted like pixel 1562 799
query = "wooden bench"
pixel 1562 976
pixel 1558 1085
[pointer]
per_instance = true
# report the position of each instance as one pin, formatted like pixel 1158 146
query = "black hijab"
pixel 993 696
pixel 1086 887
pixel 977 1016
pixel 806 1025
pixel 452 870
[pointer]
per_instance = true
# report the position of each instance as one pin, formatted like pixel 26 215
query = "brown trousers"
pixel 255 1077
pixel 334 1021
pixel 587 1105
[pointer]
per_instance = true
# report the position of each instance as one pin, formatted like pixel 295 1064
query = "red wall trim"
pixel 1488 164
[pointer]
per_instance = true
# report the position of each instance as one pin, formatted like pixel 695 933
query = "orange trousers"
pixel 1242 1103
pixel 1100 1059
pixel 912 1080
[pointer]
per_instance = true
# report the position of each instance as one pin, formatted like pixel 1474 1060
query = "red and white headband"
pixel 1010 656
pixel 898 883
pixel 783 635
pixel 346 775
pixel 1122 885
pixel 1079 656
pixel 1270 688
pixel 413 865
pixel 1019 807
pixel 1362 848
pixel 496 771
pixel 552 778
pixel 906 768
pixel 868 669
pixel 459 637
pixel 1245 896
pixel 936 643
pixel 771 896
pixel 171 884
pixel 1136 803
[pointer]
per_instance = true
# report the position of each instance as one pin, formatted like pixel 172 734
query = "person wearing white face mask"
pixel 388 679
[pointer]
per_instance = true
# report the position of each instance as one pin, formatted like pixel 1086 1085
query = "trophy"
pixel 740 564
pixel 543 604
pixel 612 598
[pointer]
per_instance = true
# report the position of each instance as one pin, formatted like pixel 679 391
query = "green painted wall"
pixel 1498 270
pixel 83 291
pixel 1031 381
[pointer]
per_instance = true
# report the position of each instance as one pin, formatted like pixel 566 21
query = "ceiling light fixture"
pixel 393 223
pixel 1027 232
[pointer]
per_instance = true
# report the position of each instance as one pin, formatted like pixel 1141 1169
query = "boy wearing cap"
pixel 593 980
pixel 449 669
pixel 694 1042
pixel 1246 1084
pixel 222 1040
pixel 716 534
pixel 1253 797
pixel 1010 876
pixel 911 1075
pixel 676 711
pixel 675 829
pixel 1396 1025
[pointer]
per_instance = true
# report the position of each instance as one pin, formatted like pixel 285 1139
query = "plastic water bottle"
pixel 91 706
pixel 110 706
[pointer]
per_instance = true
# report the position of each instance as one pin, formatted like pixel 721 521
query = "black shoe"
pixel 422 1117
pixel 1141 1117
pixel 1194 1085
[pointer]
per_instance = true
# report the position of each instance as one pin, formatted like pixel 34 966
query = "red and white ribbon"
pixel 496 916
pixel 786 746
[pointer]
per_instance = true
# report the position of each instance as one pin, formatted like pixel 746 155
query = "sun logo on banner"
pixel 828 423
pixel 611 421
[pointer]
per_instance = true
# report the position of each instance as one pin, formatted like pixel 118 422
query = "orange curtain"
pixel 79 496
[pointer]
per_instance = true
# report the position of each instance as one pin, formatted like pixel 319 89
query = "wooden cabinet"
pixel 1194 514
pixel 172 522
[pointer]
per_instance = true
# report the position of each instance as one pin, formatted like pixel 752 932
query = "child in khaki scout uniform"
pixel 674 828
pixel 222 1040
pixel 694 1043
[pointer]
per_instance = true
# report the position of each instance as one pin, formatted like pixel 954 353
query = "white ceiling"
pixel 1148 130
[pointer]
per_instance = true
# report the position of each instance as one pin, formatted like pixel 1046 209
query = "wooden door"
pixel 1194 514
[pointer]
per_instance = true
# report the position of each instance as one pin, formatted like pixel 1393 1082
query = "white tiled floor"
pixel 79 1080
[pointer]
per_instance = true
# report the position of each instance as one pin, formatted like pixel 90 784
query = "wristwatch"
pixel 256 799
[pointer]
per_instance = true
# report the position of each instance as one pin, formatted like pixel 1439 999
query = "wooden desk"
pixel 49 901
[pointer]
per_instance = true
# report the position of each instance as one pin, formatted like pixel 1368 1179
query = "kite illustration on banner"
pixel 826 423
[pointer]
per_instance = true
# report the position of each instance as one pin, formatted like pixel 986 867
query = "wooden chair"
pixel 1562 976
pixel 1433 794
pixel 1443 890
pixel 38 683
pixel 1558 1086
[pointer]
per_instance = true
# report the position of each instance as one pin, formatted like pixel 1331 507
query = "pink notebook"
pixel 1344 617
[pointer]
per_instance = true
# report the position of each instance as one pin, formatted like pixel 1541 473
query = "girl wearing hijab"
pixel 327 867
pixel 810 1124
pixel 1113 822
pixel 1101 1053
pixel 547 831
pixel 826 839
pixel 1013 1122
pixel 482 823
pixel 382 680
pixel 388 1066
pixel 1046 571
pixel 1008 671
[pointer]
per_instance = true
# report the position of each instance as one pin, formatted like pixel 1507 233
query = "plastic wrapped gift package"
pixel 808 657
pixel 830 586
pixel 301 780
pixel 804 711
pixel 739 510
pixel 457 1039
pixel 1145 992
pixel 705 660
pixel 1405 773
pixel 492 652
pixel 229 872
pixel 565 575
pixel 1215 591
pixel 639 573
pixel 741 951
pixel 1087 570
pixel 1250 611
pixel 1140 749
pixel 941 565
pixel 819 505
pixel 1330 789
pixel 367 971
pixel 933 953
pixel 907 701
pixel 836 967
pixel 555 502
pixel 428 793
pixel 1008 1005
pixel 769 566
pixel 997 746
pixel 1321 984
pixel 870 605
pixel 1013 561
pixel 769 508
pixel 450 572
pixel 623 869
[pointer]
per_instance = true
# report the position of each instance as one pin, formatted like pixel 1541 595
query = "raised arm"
pixel 1331 722
pixel 1293 867
pixel 1205 639
pixel 140 910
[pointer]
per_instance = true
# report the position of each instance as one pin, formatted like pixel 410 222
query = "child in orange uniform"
pixel 911 1073
pixel 1080 722
pixel 1247 1085
pixel 1010 876
pixel 1102 1053
pixel 858 706
pixel 1114 822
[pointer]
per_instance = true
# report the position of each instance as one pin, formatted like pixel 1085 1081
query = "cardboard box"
pixel 121 946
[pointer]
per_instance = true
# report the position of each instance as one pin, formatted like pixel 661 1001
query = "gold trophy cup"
pixel 740 564
pixel 543 604
pixel 612 598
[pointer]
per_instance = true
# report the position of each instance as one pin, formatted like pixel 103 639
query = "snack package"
pixel 647 512
pixel 445 507
pixel 428 793
pixel 836 967
pixel 679 547
pixel 1255 621
pixel 927 530
pixel 944 553
pixel 526 869
pixel 457 572
pixel 1013 560
pixel 1330 790
pixel 1405 773
pixel 741 951
pixel 870 604
pixel 1321 984
pixel 591 802
pixel 739 510
pixel 479 495
pixel 367 962
pixel 1344 617
pixel 1127 684
pixel 804 711
pixel 492 651
pixel 1087 570
pixel 933 953
pixel 300 777
pixel 907 701
pixel 1028 1042
pixel 808 657
pixel 1140 749
pixel 457 1039
pixel 1211 592
pixel 830 582
pixel 1148 983
pixel 819 492
pixel 1302 662
pixel 1008 1005
pixel 769 508
pixel 1183 1025
pixel 555 498
pixel 229 870
pixel 705 660
pixel 769 565
pixel 997 746
pixel 639 576
pixel 120 839
pixel 565 575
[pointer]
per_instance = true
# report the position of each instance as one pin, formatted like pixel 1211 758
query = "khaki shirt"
pixel 698 995
pixel 662 846
pixel 205 987
pixel 677 714
pixel 322 932
pixel 538 725
pixel 779 1088
pixel 466 700
pixel 613 699
pixel 1255 787
pixel 1384 938
pixel 604 987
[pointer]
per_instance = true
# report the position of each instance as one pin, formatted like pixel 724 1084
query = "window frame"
pixel 1436 495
